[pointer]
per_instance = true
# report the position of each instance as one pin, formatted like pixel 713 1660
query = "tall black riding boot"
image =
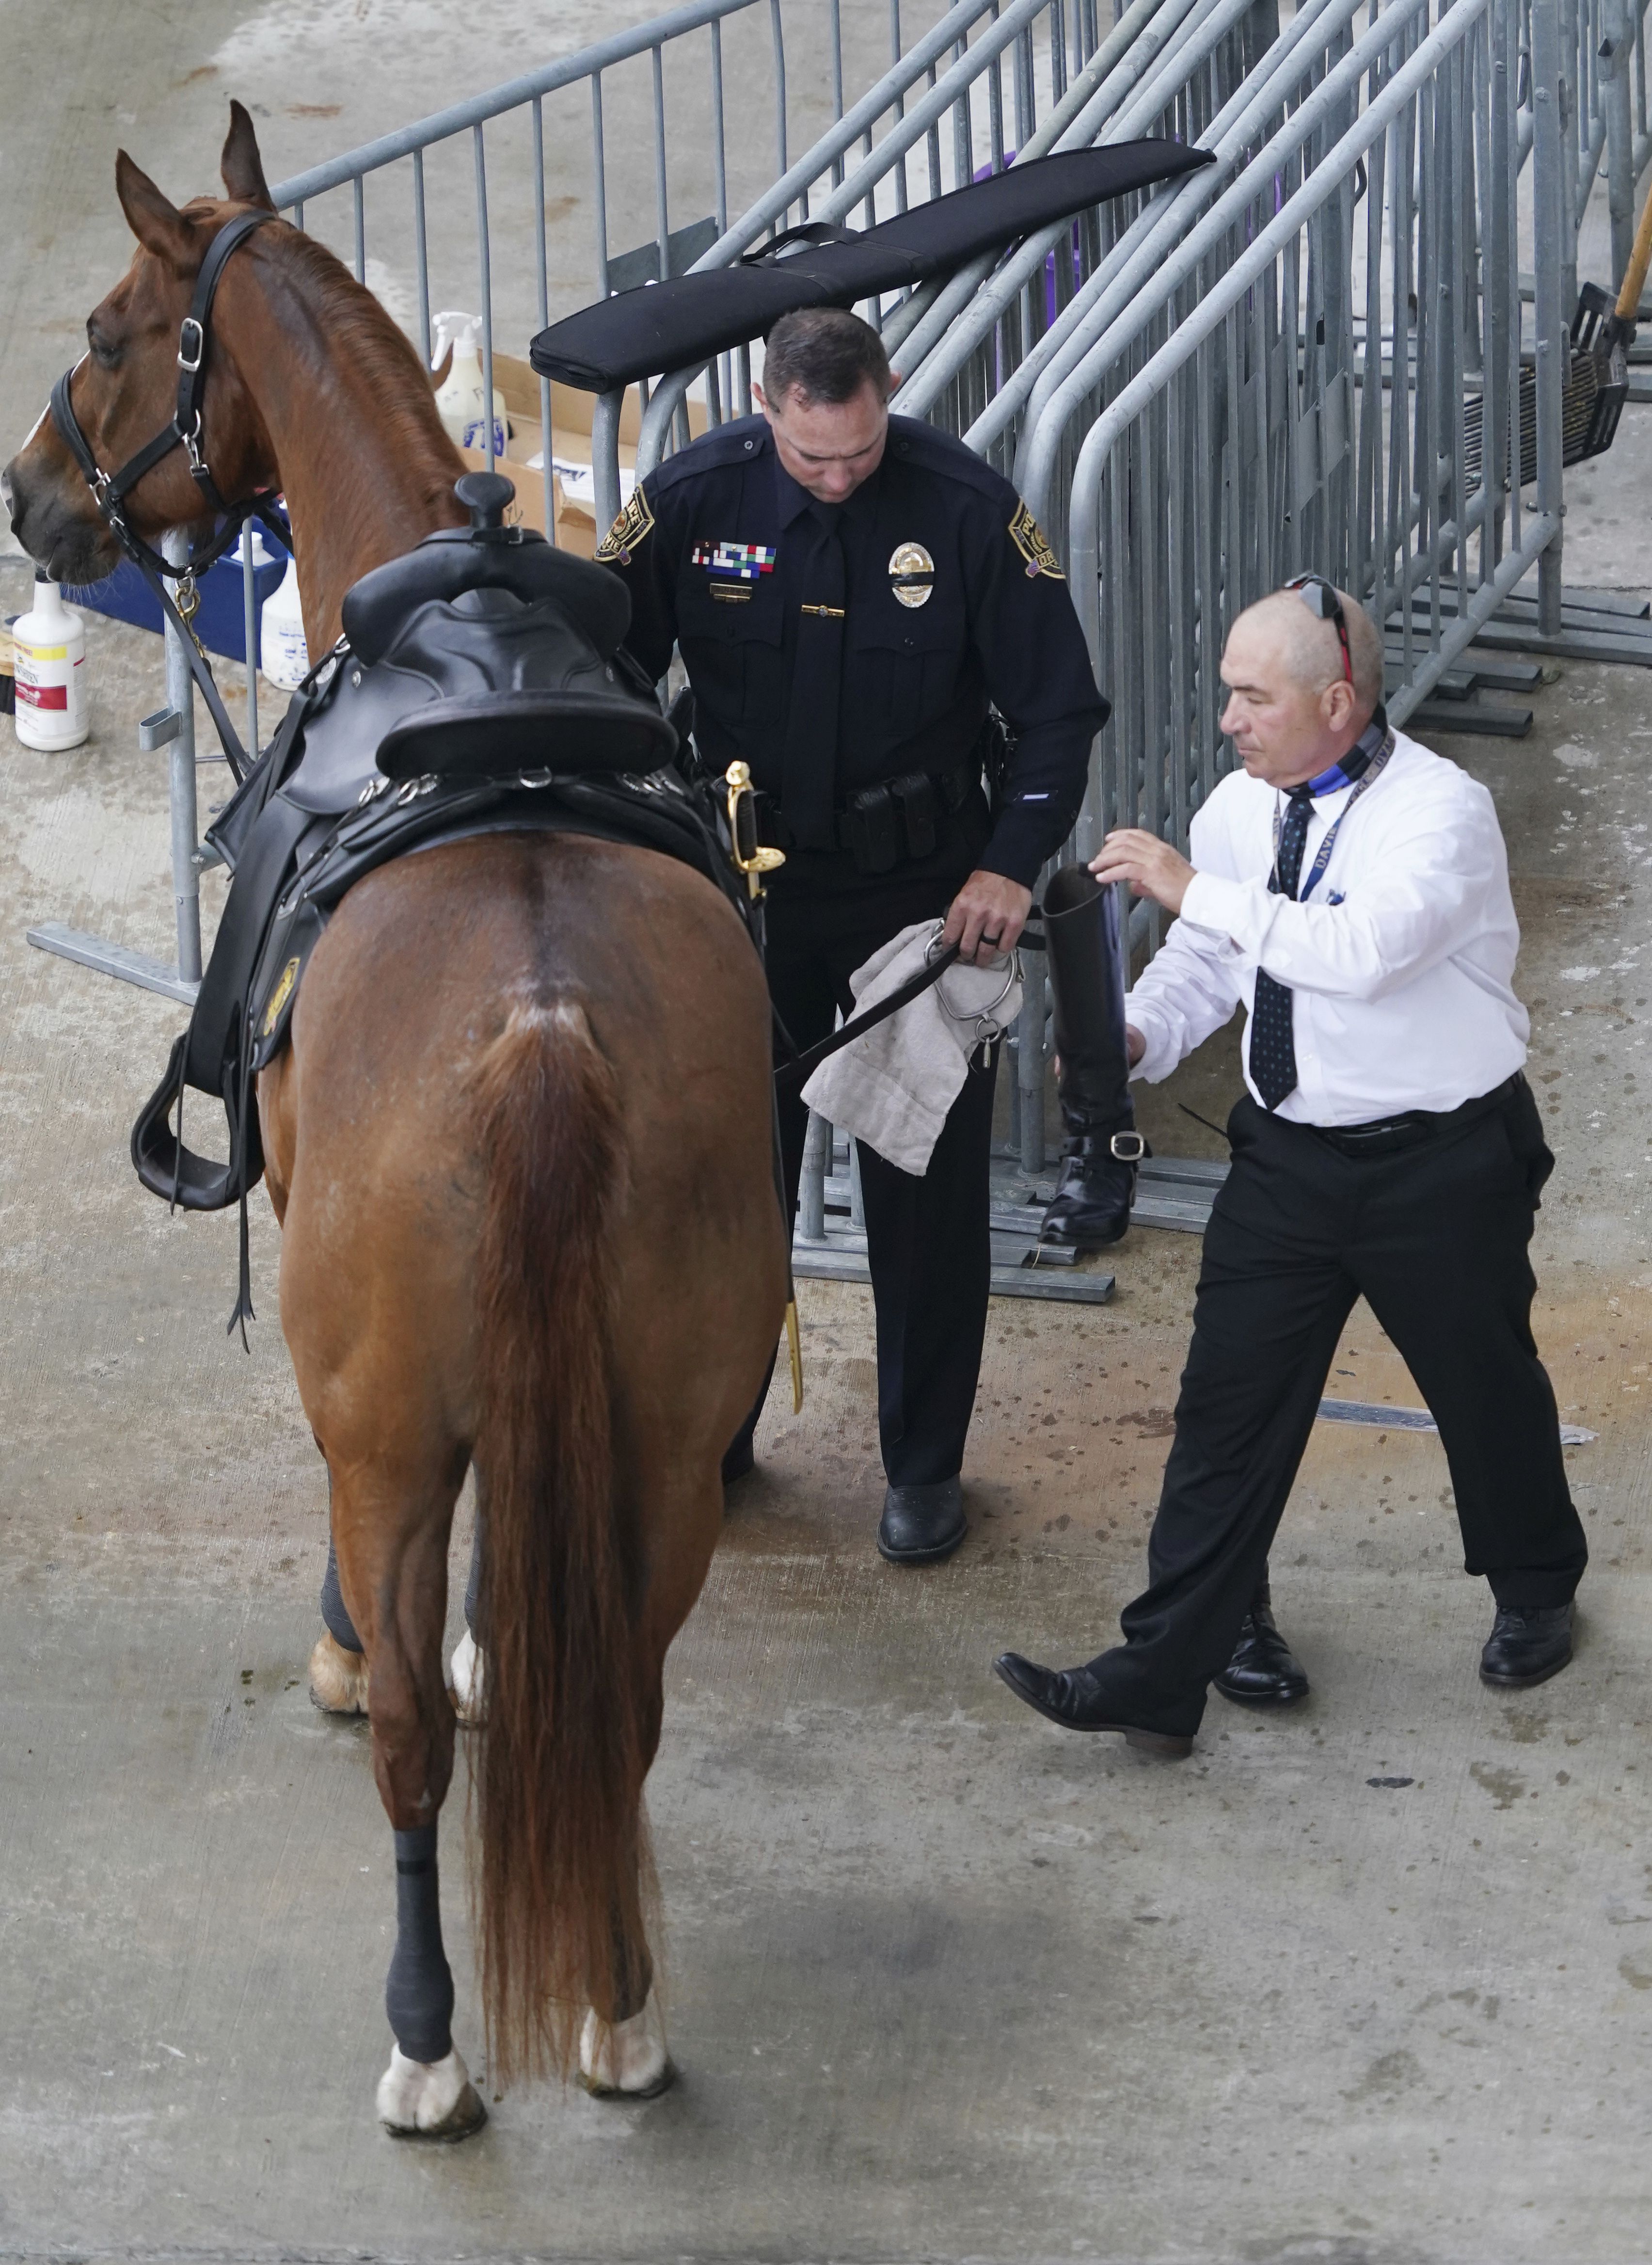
pixel 1086 980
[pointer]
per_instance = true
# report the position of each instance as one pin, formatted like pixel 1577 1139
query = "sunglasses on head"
pixel 1321 601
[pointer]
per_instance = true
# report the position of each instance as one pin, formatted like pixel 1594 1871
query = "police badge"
pixel 628 532
pixel 1028 537
pixel 912 573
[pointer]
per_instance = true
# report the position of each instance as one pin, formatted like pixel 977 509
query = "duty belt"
pixel 883 825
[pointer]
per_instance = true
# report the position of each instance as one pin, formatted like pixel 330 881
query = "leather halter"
pixel 110 490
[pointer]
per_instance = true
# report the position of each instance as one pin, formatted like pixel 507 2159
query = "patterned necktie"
pixel 1272 1049
pixel 810 756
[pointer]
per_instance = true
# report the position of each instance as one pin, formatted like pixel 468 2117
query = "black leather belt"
pixel 885 824
pixel 1387 1136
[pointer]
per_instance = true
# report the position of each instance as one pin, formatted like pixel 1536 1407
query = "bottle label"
pixel 476 434
pixel 43 695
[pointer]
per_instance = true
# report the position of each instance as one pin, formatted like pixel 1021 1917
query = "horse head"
pixel 124 389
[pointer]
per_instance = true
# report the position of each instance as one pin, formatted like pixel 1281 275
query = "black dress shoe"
pixel 1527 1644
pixel 922 1524
pixel 1072 1698
pixel 1264 1671
pixel 1092 1200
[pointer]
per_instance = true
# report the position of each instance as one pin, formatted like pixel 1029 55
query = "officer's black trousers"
pixel 1435 1238
pixel 926 1238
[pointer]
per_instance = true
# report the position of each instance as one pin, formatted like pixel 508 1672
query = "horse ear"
pixel 241 166
pixel 155 221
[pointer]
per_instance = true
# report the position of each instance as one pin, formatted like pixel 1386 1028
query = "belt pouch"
pixel 915 794
pixel 873 835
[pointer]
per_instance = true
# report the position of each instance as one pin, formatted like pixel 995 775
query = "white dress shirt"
pixel 1400 965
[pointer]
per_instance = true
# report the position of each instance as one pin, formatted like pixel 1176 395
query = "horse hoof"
pixel 628 2061
pixel 337 1678
pixel 429 2100
pixel 464 1679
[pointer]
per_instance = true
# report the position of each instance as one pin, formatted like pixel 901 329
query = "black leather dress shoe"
pixel 922 1524
pixel 1092 1200
pixel 1071 1697
pixel 1527 1644
pixel 1264 1671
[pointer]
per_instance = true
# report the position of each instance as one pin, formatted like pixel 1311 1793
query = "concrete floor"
pixel 943 1983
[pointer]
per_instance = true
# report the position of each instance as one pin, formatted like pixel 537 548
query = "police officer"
pixel 850 593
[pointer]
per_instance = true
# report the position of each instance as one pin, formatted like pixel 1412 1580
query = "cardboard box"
pixel 570 413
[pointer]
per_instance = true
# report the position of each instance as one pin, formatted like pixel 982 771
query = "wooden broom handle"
pixel 1640 261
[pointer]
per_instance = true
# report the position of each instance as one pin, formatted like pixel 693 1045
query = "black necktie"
pixel 1272 1049
pixel 810 756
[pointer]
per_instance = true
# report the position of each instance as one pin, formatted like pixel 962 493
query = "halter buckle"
pixel 187 598
pixel 190 323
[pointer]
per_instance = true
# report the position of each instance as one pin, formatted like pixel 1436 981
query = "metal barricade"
pixel 429 195
pixel 1293 392
pixel 1270 365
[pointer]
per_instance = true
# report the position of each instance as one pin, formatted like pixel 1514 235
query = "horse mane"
pixel 374 344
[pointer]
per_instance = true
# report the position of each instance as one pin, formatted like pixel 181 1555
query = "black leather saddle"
pixel 482 654
pixel 502 654
pixel 480 686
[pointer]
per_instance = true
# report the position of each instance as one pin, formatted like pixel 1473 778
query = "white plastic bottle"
pixel 262 555
pixel 460 400
pixel 283 654
pixel 49 656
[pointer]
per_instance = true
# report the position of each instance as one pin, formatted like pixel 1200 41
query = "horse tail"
pixel 562 1858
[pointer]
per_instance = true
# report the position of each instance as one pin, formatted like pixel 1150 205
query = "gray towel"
pixel 892 1088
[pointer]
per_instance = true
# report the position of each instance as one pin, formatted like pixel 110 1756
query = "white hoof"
pixel 337 1678
pixel 464 1679
pixel 428 2100
pixel 628 2061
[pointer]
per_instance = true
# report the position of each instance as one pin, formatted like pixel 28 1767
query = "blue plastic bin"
pixel 219 625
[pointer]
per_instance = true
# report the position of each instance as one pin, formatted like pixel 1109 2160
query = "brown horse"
pixel 519 1150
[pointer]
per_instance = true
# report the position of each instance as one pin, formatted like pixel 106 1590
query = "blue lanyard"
pixel 1322 856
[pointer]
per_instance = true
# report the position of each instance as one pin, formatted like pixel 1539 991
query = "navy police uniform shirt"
pixel 953 599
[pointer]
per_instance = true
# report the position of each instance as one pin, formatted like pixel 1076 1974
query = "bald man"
pixel 1350 888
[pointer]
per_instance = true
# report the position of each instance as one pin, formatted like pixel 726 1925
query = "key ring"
pixel 980 1015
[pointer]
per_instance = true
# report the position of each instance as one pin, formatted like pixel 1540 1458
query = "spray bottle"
pixel 460 400
pixel 49 648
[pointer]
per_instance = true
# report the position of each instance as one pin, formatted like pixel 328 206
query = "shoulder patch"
pixel 630 531
pixel 1028 537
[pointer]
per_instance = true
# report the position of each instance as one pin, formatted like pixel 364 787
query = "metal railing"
pixel 967 99
pixel 458 202
pixel 1293 393
pixel 1270 365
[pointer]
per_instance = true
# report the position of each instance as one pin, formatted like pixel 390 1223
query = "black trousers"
pixel 927 1244
pixel 1435 1237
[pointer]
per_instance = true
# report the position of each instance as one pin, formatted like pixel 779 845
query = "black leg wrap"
pixel 339 1623
pixel 1087 983
pixel 418 1988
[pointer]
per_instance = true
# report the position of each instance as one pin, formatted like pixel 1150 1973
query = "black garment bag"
pixel 671 326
